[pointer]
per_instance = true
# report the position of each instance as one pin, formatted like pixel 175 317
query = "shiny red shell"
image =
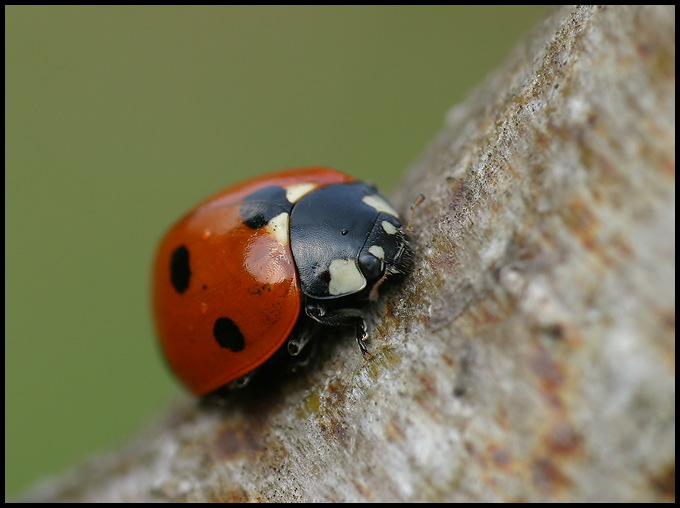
pixel 235 271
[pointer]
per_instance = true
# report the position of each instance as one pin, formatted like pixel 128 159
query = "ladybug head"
pixel 386 253
pixel 347 240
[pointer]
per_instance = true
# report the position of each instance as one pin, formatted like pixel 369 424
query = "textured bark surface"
pixel 531 356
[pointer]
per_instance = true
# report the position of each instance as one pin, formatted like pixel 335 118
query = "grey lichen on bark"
pixel 531 355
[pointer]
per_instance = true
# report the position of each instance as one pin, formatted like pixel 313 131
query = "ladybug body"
pixel 264 262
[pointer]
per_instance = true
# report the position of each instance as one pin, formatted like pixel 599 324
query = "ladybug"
pixel 266 262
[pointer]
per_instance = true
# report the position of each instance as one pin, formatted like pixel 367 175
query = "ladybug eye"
pixel 371 266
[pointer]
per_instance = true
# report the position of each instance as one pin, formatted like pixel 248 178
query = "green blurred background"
pixel 118 119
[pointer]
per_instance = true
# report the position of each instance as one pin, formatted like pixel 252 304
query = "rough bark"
pixel 531 356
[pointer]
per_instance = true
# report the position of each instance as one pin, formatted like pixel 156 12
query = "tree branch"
pixel 531 356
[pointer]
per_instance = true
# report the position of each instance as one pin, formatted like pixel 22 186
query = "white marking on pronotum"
pixel 377 251
pixel 379 204
pixel 345 277
pixel 295 192
pixel 389 228
pixel 278 228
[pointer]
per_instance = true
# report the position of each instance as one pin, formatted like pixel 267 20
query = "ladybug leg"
pixel 361 334
pixel 301 345
pixel 338 317
pixel 305 358
pixel 304 331
pixel 241 382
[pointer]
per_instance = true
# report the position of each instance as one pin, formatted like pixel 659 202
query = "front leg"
pixel 339 317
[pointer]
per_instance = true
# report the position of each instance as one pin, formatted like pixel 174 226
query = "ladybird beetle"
pixel 266 261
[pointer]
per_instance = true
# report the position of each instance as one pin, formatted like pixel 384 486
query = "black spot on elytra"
pixel 180 273
pixel 263 205
pixel 228 335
